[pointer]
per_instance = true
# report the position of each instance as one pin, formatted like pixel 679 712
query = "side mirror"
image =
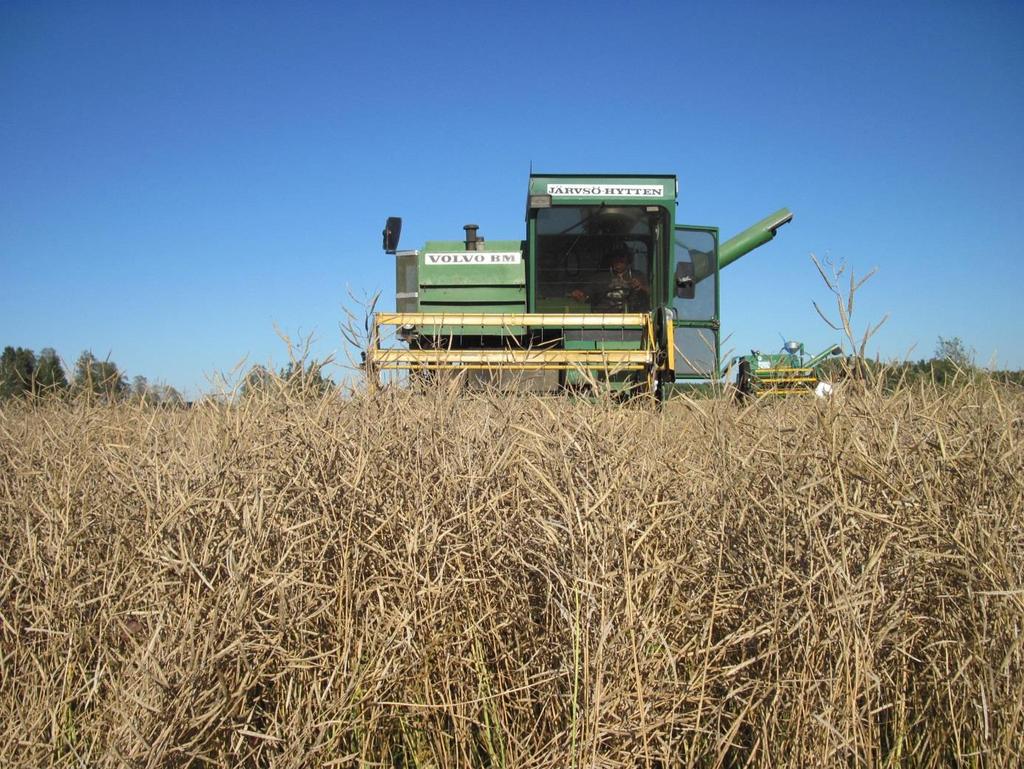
pixel 684 285
pixel 392 232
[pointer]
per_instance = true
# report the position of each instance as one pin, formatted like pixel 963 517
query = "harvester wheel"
pixel 744 381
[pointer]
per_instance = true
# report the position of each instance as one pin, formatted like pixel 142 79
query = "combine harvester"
pixel 607 289
pixel 789 371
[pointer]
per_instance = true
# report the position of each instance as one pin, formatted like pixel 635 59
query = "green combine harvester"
pixel 606 290
pixel 789 371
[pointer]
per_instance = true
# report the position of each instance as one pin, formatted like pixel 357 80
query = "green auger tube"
pixel 752 237
pixel 833 350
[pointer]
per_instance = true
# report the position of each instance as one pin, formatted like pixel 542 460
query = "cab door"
pixel 693 288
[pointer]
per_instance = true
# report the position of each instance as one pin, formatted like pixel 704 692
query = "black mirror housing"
pixel 392 232
pixel 685 287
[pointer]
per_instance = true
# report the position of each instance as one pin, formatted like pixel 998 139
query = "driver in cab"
pixel 618 289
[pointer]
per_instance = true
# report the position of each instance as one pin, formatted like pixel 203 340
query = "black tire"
pixel 744 381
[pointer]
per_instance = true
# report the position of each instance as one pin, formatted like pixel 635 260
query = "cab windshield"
pixel 597 258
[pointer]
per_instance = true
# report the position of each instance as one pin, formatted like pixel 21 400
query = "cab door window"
pixel 693 282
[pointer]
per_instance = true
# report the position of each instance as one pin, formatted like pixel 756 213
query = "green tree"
pixel 168 396
pixel 49 374
pixel 143 392
pixel 17 367
pixel 83 370
pixel 295 379
pixel 257 381
pixel 154 394
pixel 309 380
pixel 955 351
pixel 99 378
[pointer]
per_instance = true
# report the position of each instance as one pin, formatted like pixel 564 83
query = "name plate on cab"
pixel 607 190
pixel 473 258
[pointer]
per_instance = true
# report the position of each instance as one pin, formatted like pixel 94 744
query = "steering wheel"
pixel 621 297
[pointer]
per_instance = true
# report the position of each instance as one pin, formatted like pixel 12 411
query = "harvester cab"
pixel 606 288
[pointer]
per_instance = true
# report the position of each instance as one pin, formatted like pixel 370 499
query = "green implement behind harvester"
pixel 789 371
pixel 607 287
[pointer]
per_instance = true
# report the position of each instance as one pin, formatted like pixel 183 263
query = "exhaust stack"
pixel 474 242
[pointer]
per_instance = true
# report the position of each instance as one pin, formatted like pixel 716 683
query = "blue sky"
pixel 178 178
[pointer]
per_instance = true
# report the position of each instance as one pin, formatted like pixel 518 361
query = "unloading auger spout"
pixel 740 245
pixel 752 237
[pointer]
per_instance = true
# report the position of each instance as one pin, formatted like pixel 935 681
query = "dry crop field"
pixel 431 579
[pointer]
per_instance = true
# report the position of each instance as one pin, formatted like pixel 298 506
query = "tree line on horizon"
pixel 297 377
pixel 23 373
pixel 952 362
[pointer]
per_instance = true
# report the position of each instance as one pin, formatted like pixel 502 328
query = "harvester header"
pixel 606 287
